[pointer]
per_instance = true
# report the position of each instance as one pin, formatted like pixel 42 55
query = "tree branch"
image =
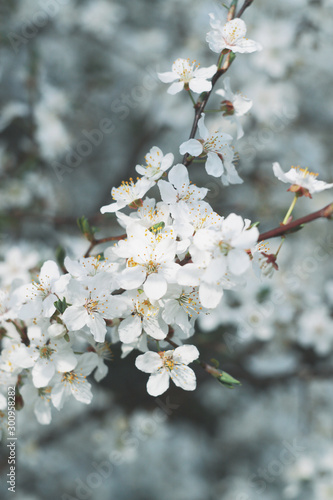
pixel 246 4
pixel 283 229
pixel 103 240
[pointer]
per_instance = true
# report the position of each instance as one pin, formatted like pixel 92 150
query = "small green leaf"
pixel 227 380
pixel 61 305
pixel 60 255
pixel 86 229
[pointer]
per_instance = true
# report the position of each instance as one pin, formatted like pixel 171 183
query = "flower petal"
pixel 130 329
pixel 238 261
pixel 192 146
pixel 155 286
pixel 149 362
pixel 168 76
pixel 184 377
pixel 199 85
pixel 185 354
pixel 158 383
pixel 175 88
pixel 214 165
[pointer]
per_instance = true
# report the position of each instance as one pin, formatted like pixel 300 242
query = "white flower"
pixel 230 35
pixel 190 218
pixel 144 317
pixel 219 154
pixel 150 260
pixel 90 307
pixel 148 215
pixel 74 382
pixel 181 307
pixel 302 181
pixel 93 269
pixel 315 330
pixel 157 164
pixel 6 304
pixel 179 187
pixel 40 399
pixel 188 75
pixel 234 105
pixel 17 264
pixel 38 298
pixel 127 194
pixel 168 364
pixel 47 356
pixel 104 353
pixel 263 263
pixel 215 253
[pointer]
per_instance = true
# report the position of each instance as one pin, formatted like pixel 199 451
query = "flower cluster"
pixel 170 267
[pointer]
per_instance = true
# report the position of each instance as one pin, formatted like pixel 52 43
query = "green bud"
pixel 227 380
pixel 85 228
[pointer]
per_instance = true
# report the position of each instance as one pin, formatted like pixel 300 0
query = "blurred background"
pixel 80 106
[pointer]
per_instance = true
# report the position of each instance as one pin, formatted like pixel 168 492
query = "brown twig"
pixel 103 240
pixel 284 229
pixel 246 4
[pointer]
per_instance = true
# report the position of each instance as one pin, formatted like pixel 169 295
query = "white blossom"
pixel 169 364
pixel 189 75
pixel 156 164
pixel 127 194
pixel 74 382
pixel 234 105
pixel 301 179
pixel 216 148
pixel 230 35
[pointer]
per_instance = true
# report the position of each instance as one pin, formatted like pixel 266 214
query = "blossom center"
pixel 305 171
pixel 224 247
pixel 168 361
pixel 91 305
pixel 70 377
pixel 46 352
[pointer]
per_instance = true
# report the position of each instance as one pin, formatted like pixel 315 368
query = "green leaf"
pixel 61 305
pixel 60 255
pixel 86 229
pixel 254 224
pixel 227 380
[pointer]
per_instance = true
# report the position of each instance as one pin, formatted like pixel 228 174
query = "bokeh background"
pixel 78 72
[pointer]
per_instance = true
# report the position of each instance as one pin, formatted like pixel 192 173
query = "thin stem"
pixel 291 208
pixel 280 246
pixel 285 220
pixel 220 60
pixel 191 97
pixel 326 212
